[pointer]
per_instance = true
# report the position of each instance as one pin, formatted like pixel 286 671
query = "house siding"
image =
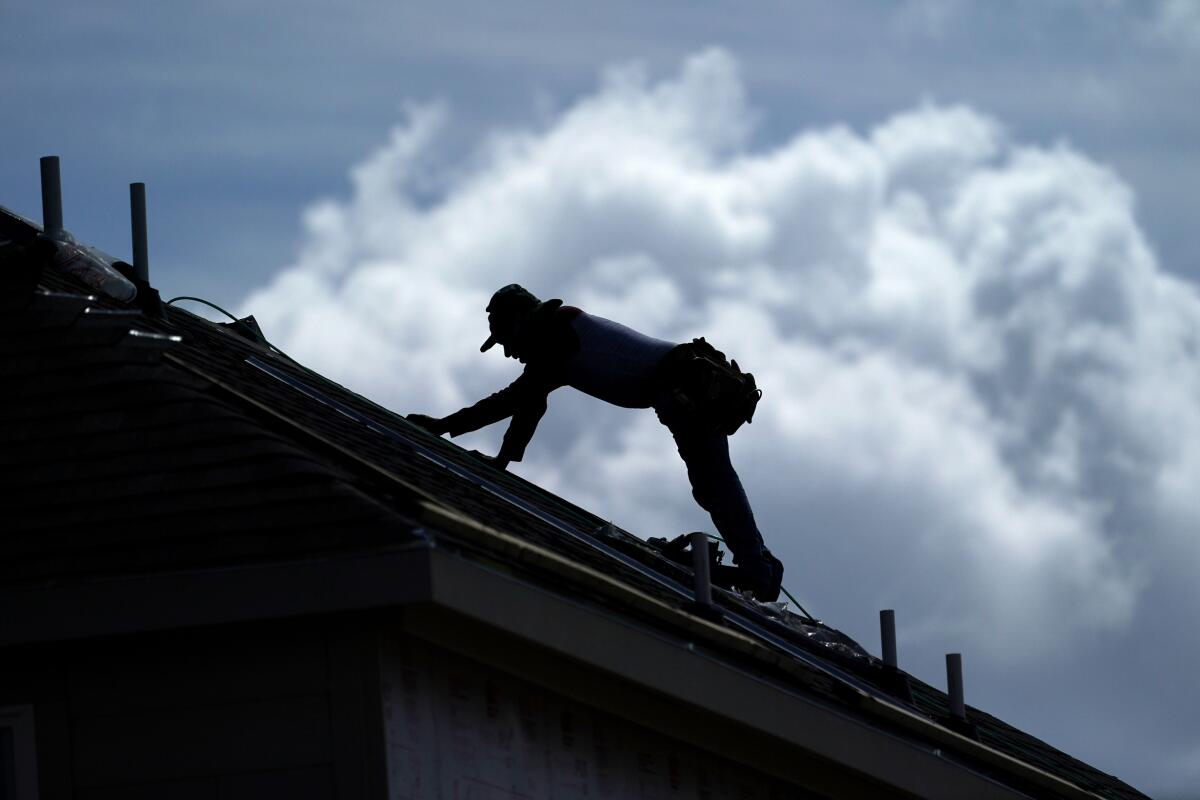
pixel 456 728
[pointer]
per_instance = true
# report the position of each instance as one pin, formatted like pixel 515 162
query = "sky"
pixel 950 239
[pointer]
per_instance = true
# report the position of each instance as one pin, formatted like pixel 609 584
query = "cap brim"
pixel 491 340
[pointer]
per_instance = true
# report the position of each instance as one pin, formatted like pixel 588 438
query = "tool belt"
pixel 714 390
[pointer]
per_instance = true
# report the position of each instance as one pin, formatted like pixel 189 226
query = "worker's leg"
pixel 718 490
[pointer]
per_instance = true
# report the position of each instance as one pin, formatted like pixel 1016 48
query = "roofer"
pixel 700 396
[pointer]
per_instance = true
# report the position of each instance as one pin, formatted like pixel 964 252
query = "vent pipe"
pixel 699 541
pixel 52 216
pixel 137 216
pixel 887 632
pixel 954 685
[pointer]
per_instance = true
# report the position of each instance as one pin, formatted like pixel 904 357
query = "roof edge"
pixel 529 553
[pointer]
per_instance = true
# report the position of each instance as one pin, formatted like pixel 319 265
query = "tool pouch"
pixel 713 389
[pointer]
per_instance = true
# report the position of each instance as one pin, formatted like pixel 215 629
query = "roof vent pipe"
pixel 52 216
pixel 887 632
pixel 954 685
pixel 137 216
pixel 699 541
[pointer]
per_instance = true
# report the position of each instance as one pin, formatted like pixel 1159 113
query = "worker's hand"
pixel 432 424
pixel 492 461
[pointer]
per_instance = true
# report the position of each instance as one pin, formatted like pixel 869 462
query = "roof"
pixel 137 444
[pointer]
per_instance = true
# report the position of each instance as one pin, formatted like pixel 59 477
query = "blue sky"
pixel 238 115
pixel 951 238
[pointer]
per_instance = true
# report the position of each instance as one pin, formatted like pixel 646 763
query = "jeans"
pixel 715 484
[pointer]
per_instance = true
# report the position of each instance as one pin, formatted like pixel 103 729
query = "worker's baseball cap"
pixel 507 306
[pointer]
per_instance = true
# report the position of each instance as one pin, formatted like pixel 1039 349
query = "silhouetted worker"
pixel 697 394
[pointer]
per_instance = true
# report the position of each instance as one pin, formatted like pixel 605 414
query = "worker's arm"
pixel 524 422
pixel 488 410
pixel 524 400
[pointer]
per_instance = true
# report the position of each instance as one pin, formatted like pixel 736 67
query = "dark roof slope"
pixel 115 457
pixel 136 442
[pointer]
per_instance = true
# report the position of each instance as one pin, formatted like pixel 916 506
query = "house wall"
pixel 408 703
pixel 456 728
pixel 247 711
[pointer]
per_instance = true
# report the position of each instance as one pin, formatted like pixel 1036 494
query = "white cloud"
pixel 979 387
pixel 1177 22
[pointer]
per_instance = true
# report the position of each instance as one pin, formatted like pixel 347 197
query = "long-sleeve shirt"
pixel 568 347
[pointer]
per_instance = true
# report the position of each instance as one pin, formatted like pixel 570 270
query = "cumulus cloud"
pixel 979 386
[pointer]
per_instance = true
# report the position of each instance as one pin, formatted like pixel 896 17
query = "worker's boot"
pixel 762 576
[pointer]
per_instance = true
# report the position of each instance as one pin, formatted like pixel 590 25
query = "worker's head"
pixel 508 311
